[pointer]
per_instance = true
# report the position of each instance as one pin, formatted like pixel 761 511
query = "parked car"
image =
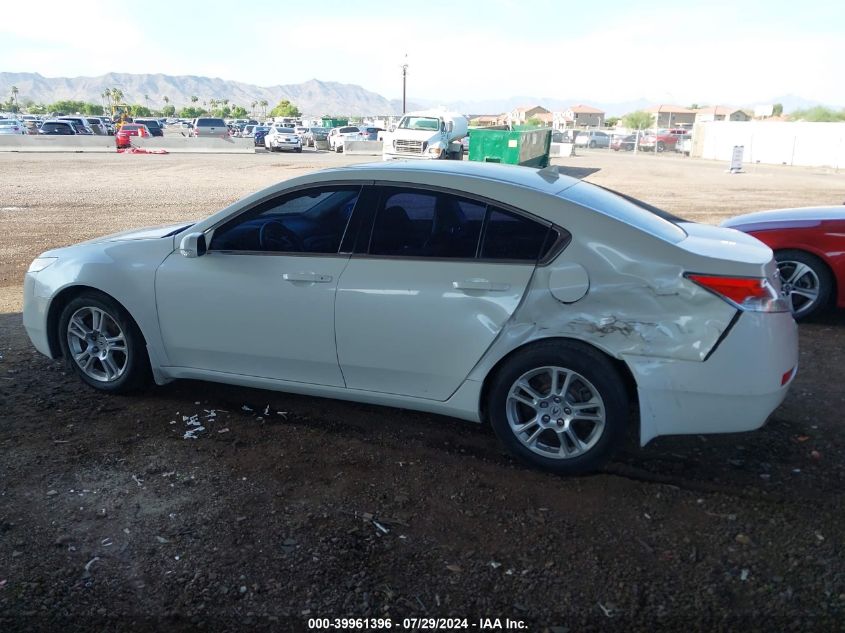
pixel 59 128
pixel 535 302
pixel 315 134
pixel 624 142
pixel 661 140
pixel 809 246
pixel 80 124
pixel 124 135
pixel 368 133
pixel 12 126
pixel 97 126
pixel 152 125
pixel 282 138
pixel 210 128
pixel 564 136
pixel 258 134
pixel 592 138
pixel 338 135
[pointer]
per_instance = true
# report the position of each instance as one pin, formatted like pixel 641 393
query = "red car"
pixel 122 136
pixel 809 246
pixel 662 140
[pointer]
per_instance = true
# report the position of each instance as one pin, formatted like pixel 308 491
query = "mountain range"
pixel 313 97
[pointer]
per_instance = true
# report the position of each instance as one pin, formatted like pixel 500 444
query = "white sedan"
pixel 282 138
pixel 537 303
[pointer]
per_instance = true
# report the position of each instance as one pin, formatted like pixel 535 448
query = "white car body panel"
pixel 404 328
pixel 700 365
pixel 237 313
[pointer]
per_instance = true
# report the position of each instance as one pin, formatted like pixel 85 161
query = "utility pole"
pixel 404 83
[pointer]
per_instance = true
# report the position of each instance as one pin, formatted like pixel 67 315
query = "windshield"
pixel 419 123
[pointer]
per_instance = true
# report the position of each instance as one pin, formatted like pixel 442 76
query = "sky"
pixel 713 51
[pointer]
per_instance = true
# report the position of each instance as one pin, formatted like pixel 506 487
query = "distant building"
pixel 518 116
pixel 669 116
pixel 720 113
pixel 578 116
pixel 487 120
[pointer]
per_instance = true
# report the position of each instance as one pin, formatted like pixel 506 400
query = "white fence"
pixel 777 143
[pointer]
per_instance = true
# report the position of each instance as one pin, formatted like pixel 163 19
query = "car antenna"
pixel 549 174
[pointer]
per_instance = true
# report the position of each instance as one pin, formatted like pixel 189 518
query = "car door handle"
pixel 480 284
pixel 314 278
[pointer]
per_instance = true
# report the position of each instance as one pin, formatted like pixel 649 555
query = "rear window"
pixel 148 122
pixel 210 123
pixel 640 215
pixel 347 130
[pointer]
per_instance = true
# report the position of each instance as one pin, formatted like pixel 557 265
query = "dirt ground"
pixel 287 508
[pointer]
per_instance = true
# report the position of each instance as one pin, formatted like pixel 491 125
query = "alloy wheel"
pixel 97 344
pixel 555 412
pixel 800 285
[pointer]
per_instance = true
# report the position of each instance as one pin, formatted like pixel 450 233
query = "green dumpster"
pixel 529 148
pixel 331 122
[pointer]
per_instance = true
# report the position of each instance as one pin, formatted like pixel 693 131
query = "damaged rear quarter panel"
pixel 638 302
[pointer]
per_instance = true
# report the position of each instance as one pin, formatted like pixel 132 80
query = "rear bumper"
pixel 734 390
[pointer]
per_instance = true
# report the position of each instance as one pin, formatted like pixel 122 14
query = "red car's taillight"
pixel 754 294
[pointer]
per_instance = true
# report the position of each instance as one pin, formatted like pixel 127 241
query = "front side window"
pixel 419 223
pixel 310 221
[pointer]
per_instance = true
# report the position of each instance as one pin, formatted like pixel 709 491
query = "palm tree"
pixel 264 103
pixel 166 99
pixel 194 98
pixel 15 96
pixel 253 104
pixel 147 100
pixel 212 103
pixel 117 95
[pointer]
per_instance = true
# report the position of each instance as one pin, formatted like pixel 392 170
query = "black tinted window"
pixel 416 223
pixel 511 236
pixel 311 221
pixel 211 123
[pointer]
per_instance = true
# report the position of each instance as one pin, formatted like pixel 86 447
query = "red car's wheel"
pixel 805 281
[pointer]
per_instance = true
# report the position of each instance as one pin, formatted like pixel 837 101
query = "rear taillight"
pixel 754 294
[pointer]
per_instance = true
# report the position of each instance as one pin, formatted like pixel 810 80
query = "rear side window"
pixel 417 223
pixel 511 236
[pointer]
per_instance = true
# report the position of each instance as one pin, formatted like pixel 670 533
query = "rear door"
pixel 430 286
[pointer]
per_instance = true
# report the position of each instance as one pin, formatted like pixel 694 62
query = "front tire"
pixel 102 344
pixel 661 146
pixel 559 406
pixel 806 282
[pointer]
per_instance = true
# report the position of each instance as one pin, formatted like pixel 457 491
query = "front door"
pixel 261 301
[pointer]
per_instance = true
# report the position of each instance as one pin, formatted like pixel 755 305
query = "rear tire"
pixel 592 144
pixel 661 146
pixel 572 424
pixel 807 282
pixel 103 345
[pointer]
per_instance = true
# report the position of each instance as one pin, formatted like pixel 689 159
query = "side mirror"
pixel 193 245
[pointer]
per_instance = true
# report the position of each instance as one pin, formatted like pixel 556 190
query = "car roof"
pixel 444 173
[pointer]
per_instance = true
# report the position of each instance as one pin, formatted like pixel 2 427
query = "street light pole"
pixel 404 83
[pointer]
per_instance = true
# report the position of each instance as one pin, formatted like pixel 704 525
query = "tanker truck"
pixel 427 134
